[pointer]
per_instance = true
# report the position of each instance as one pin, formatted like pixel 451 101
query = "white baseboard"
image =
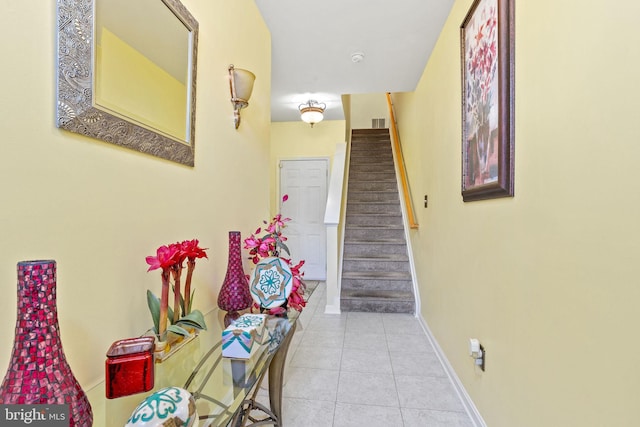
pixel 468 404
pixel 332 309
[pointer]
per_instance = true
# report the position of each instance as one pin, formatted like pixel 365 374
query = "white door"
pixel 305 181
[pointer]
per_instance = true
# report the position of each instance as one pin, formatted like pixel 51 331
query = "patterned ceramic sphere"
pixel 171 406
pixel 271 282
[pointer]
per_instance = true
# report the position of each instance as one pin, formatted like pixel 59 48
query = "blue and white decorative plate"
pixel 271 282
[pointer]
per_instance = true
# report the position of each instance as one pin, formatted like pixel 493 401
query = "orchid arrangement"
pixel 170 259
pixel 482 63
pixel 269 243
pixel 481 93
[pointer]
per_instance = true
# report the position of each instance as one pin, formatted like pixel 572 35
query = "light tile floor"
pixel 352 369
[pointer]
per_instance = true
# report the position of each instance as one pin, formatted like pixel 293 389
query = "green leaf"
pixel 191 301
pixel 195 319
pixel 182 304
pixel 178 330
pixel 173 289
pixel 285 247
pixel 170 315
pixel 154 308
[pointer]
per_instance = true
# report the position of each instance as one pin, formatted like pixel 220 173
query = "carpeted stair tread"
pixel 375 226
pixel 377 257
pixel 374 241
pixel 386 275
pixel 378 294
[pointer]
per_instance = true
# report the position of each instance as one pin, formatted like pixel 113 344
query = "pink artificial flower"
pixel 180 256
pixel 296 302
pixel 263 248
pixel 269 245
pixel 251 242
pixel 277 310
pixel 166 256
pixel 192 251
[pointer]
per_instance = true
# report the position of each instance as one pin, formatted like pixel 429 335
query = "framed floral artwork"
pixel 487 57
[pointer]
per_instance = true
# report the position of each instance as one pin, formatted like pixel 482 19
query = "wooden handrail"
pixel 411 217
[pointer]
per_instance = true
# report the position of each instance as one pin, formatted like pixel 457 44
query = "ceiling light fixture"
pixel 312 112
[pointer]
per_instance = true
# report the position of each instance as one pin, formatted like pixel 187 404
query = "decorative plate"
pixel 271 282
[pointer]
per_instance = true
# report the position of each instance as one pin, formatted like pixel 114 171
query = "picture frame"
pixel 487 64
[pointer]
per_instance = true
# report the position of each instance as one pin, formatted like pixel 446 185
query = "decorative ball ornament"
pixel 172 406
pixel 271 282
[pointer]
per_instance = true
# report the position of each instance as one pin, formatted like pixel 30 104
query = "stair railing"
pixel 404 180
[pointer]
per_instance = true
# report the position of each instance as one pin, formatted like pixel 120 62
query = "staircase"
pixel 376 276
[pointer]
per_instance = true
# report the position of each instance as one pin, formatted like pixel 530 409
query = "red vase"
pixel 234 293
pixel 38 370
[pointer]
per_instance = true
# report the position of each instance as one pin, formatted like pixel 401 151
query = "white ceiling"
pixel 313 42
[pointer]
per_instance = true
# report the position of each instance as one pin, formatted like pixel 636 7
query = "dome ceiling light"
pixel 312 112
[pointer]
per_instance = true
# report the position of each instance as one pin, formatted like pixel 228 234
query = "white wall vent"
pixel 377 123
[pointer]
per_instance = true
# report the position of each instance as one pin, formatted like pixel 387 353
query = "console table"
pixel 224 389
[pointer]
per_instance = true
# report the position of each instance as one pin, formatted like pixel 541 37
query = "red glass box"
pixel 129 368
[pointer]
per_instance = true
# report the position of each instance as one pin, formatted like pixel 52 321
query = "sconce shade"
pixel 312 112
pixel 241 84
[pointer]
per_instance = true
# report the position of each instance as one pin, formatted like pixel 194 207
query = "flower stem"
pixel 191 264
pixel 164 304
pixel 176 270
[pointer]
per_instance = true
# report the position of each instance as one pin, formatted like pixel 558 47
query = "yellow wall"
pixel 128 83
pixel 546 280
pixel 99 209
pixel 292 140
pixel 368 106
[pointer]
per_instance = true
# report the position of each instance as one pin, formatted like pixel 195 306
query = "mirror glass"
pixel 142 64
pixel 126 74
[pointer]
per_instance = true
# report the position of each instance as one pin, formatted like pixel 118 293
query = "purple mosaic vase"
pixel 234 293
pixel 38 370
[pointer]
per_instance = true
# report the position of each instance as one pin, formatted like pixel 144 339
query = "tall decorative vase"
pixel 234 293
pixel 38 370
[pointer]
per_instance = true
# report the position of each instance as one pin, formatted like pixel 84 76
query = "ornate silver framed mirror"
pixel 126 74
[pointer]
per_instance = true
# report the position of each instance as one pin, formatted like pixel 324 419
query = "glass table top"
pixel 219 384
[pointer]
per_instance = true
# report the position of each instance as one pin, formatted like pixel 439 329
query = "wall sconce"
pixel 312 112
pixel 241 83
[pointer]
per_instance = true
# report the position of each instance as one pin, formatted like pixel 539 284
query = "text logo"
pixel 34 415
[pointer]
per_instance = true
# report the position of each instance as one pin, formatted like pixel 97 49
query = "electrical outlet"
pixel 476 351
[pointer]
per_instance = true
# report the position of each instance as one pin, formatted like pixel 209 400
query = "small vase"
pixel 234 293
pixel 38 370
